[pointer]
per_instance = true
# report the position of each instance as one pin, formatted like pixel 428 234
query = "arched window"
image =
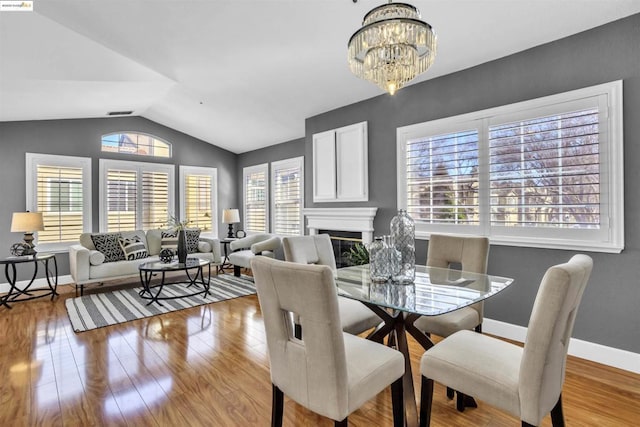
pixel 140 144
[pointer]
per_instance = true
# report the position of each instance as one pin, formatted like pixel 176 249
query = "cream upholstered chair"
pixel 472 253
pixel 327 371
pixel 526 382
pixel 245 249
pixel 355 317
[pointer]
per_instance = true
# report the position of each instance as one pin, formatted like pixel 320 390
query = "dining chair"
pixel 525 382
pixel 317 249
pixel 327 371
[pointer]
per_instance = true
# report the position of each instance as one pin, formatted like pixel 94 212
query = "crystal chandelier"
pixel 392 47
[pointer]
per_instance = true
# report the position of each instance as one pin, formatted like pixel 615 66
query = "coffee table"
pixel 190 266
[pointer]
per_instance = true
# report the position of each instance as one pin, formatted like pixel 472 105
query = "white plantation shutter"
pixel 256 196
pixel 545 172
pixel 59 187
pixel 198 198
pixel 541 173
pixel 287 190
pixel 135 195
pixel 442 178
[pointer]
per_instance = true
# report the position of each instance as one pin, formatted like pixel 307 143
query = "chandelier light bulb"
pixel 393 46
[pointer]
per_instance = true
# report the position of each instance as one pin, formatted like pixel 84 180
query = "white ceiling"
pixel 241 74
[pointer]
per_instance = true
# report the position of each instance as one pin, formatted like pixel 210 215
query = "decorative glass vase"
pixel 377 263
pixel 182 247
pixel 403 237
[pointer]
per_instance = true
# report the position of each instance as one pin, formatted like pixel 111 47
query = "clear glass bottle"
pixel 403 237
pixel 377 264
pixel 392 256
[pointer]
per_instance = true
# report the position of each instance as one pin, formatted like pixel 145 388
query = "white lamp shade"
pixel 230 216
pixel 26 222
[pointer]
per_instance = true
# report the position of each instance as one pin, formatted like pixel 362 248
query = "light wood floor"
pixel 208 366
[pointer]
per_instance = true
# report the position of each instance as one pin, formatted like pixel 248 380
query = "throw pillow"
pixel 133 248
pixel 96 257
pixel 192 237
pixel 204 247
pixel 108 244
pixel 169 240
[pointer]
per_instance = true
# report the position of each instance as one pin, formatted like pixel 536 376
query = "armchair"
pixel 245 249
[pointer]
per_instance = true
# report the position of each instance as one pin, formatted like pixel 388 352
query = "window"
pixel 60 188
pixel 198 197
pixel 287 200
pixel 135 143
pixel 540 173
pixel 256 196
pixel 135 195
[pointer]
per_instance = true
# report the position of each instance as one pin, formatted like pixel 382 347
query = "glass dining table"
pixel 435 291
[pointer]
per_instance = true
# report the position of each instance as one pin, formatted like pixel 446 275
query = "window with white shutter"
pixel 541 173
pixel 135 195
pixel 287 196
pixel 256 198
pixel 198 197
pixel 59 187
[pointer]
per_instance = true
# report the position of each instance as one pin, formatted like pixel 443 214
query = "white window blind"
pixel 198 198
pixel 135 195
pixel 545 172
pixel 541 173
pixel 287 191
pixel 59 187
pixel 256 196
pixel 442 178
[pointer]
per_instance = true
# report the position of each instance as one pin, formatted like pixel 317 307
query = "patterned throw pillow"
pixel 108 244
pixel 193 237
pixel 133 248
pixel 169 240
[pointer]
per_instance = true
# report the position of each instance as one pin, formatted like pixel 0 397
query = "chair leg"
pixel 426 400
pixel 450 393
pixel 397 402
pixel 527 424
pixel 478 328
pixel 557 416
pixel 343 423
pixel 236 271
pixel 460 401
pixel 277 406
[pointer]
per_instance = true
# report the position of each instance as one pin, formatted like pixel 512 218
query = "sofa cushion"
pixel 95 257
pixel 169 240
pixel 133 248
pixel 192 237
pixel 204 247
pixel 108 244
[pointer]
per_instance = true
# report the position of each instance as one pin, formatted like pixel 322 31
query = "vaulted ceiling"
pixel 241 74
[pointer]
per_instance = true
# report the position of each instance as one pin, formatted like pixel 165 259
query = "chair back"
pixel 472 253
pixel 542 368
pixel 311 371
pixel 315 249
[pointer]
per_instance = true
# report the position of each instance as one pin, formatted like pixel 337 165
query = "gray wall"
pixel 82 138
pixel 609 314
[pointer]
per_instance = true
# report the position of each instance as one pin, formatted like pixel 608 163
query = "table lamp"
pixel 27 223
pixel 230 216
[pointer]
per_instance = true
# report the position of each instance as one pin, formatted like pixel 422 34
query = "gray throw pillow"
pixel 109 245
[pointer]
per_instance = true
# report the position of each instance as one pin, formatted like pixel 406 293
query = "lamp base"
pixel 230 233
pixel 28 240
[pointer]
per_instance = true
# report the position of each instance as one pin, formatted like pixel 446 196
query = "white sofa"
pixel 87 265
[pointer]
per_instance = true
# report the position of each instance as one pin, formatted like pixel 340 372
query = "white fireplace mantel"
pixel 341 219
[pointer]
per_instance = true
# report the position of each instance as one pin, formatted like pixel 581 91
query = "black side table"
pixel 225 262
pixel 51 273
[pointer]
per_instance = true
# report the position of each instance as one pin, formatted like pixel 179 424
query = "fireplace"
pixel 346 226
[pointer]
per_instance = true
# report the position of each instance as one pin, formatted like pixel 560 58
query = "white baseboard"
pixel 40 283
pixel 609 356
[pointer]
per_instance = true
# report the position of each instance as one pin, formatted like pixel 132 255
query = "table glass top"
pixel 173 265
pixel 435 290
pixel 39 256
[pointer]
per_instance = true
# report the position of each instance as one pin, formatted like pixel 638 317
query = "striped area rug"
pixel 110 308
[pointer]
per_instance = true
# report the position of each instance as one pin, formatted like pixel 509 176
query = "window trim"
pixel 263 167
pixel 295 162
pixel 609 96
pixel 32 160
pixel 106 164
pixel 201 170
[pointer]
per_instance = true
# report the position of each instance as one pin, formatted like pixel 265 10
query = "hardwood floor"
pixel 208 366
